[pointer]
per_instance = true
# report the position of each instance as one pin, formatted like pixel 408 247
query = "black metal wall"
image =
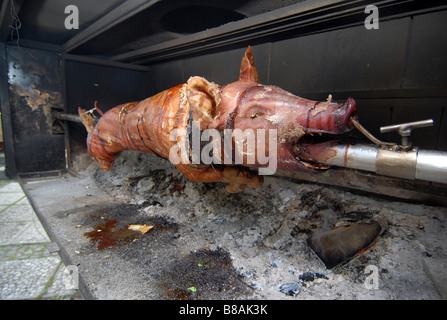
pixel 32 87
pixel 87 83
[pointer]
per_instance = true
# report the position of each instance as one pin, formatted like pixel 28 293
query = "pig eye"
pixel 257 115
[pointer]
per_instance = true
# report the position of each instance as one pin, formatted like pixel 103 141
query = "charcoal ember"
pixel 310 276
pixel 290 289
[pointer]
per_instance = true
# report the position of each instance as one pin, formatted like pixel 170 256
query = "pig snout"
pixel 332 118
pixel 350 111
pixel 270 107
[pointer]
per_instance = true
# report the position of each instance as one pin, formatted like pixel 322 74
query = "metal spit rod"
pixel 410 164
pixel 414 164
pixel 66 116
pixel 390 159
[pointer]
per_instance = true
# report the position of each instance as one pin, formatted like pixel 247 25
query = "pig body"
pixel 244 105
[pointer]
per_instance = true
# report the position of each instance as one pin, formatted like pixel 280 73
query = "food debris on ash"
pixel 291 289
pixel 309 276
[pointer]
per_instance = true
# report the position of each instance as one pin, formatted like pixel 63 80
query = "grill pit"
pixel 234 246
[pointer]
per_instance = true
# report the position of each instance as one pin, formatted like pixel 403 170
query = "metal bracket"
pixel 362 129
pixel 404 129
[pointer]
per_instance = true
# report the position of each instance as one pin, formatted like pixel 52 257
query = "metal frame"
pixel 303 18
pixel 31 44
pixel 8 133
pixel 107 63
pixel 123 12
pixel 248 29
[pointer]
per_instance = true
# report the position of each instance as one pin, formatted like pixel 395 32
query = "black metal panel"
pixel 300 19
pixel 43 20
pixel 366 59
pixel 442 138
pixel 223 67
pixel 8 135
pixel 427 56
pixel 123 11
pixel 342 60
pixel 407 110
pixel 375 113
pixel 87 83
pixel 35 88
pixel 297 64
pixel 164 76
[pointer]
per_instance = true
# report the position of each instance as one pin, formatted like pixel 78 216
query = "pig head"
pixel 303 128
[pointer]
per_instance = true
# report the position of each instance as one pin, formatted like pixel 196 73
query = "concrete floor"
pixel 28 270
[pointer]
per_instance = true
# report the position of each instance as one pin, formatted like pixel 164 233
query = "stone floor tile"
pixel 32 232
pixel 12 186
pixel 24 251
pixel 62 286
pixel 24 200
pixel 22 232
pixel 17 213
pixel 8 198
pixel 27 269
pixel 9 229
pixel 26 279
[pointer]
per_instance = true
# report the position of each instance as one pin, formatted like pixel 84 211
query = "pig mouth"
pixel 313 148
pixel 316 146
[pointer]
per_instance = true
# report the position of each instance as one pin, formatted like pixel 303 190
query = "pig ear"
pixel 87 120
pixel 248 70
pixel 203 98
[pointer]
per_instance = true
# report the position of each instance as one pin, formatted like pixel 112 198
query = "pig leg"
pixel 237 177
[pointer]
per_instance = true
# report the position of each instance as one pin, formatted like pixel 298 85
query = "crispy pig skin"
pixel 147 125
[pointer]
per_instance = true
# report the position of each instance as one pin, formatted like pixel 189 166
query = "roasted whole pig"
pixel 165 124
